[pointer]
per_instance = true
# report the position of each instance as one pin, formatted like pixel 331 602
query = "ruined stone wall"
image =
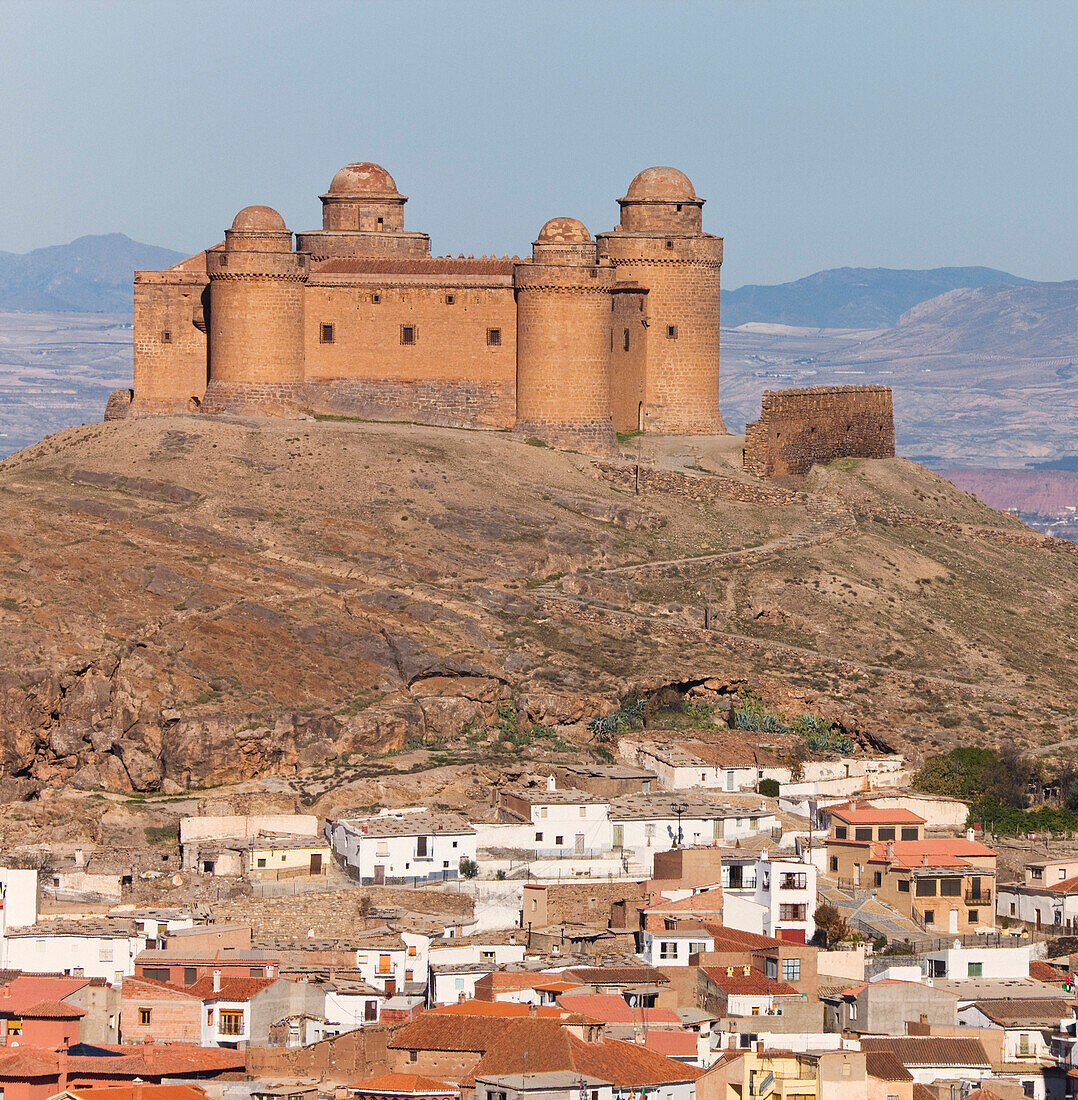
pixel 628 368
pixel 682 356
pixel 353 1056
pixel 459 369
pixel 800 427
pixel 171 357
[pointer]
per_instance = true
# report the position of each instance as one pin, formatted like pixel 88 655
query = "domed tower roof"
pixel 363 178
pixel 664 184
pixel 259 219
pixel 564 231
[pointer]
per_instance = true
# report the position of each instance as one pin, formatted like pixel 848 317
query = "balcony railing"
pixel 982 897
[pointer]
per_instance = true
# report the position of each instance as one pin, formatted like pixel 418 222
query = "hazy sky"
pixel 822 134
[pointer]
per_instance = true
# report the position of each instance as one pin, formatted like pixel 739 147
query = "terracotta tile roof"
pixel 612 1009
pixel 618 975
pixel 672 1044
pixel 941 852
pixel 152 1061
pixel 923 1092
pixel 930 1051
pixel 406 1084
pixel 436 1030
pixel 1028 1012
pixel 17 1063
pixel 1067 886
pixel 232 989
pixel 505 1009
pixel 864 814
pixel 753 984
pixel 733 939
pixel 884 1066
pixel 144 987
pixel 52 1010
pixel 435 265
pixel 1040 971
pixel 707 901
pixel 147 1092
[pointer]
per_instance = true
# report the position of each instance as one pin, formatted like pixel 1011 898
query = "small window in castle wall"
pixel 409 334
pixel 626 339
pixel 679 208
pixel 166 337
pixel 450 299
pixel 325 334
pixel 594 272
pixel 379 223
pixel 376 298
pixel 669 244
pixel 494 337
pixel 671 332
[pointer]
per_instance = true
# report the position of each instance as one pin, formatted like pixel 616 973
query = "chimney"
pixel 729 971
pixel 969 835
pixel 924 1017
pixel 136 1089
pixel 217 981
pixel 551 785
pixel 889 851
pixel 461 998
pixel 746 970
pixel 924 859
pixel 759 1046
pixel 80 858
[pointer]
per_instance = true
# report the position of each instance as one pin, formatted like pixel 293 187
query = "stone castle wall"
pixel 170 343
pixel 801 427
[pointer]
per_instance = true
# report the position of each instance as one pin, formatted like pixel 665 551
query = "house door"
pixel 640 417
pixel 952 921
pixel 578 846
pixel 619 836
pixel 316 863
pixel 391 986
pixel 379 875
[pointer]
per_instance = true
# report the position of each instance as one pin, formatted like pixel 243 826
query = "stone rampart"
pixel 799 428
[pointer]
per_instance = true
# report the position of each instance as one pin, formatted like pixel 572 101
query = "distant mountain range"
pixel 852 297
pixel 89 275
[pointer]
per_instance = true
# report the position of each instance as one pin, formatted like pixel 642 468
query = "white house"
pixel 350 1004
pixel 684 765
pixel 392 961
pixel 672 947
pixel 402 847
pixel 1028 1024
pixel 644 824
pixel 565 822
pixel 783 889
pixel 987 963
pixel 83 949
pixel 1048 903
pixel 18 898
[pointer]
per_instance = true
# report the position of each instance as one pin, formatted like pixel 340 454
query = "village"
pixel 696 919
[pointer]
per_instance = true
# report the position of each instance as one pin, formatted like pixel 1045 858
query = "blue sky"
pixel 912 133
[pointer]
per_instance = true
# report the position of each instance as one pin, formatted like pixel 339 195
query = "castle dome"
pixel 258 219
pixel 564 231
pixel 661 183
pixel 363 178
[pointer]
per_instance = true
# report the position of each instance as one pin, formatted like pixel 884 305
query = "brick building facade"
pixel 584 338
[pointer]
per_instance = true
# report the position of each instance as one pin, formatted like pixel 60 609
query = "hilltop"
pixel 189 602
pixel 853 297
pixel 92 274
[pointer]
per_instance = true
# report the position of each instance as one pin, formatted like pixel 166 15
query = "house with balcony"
pixel 1028 1024
pixel 790 1075
pixel 393 962
pixel 406 847
pixel 946 885
pixel 769 894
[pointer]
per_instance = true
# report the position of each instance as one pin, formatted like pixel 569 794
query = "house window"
pixel 1023 1043
pixel 411 951
pixel 862 834
pixel 494 337
pixel 486 956
pixel 667 949
pixel 840 832
pixel 166 337
pixel 975 970
pixel 791 970
pixel 910 833
pixel 886 833
pixel 1013 910
pixel 878 878
pixel 792 912
pixel 756 1010
pixel 771 968
pixel 834 863
pixel 380 223
pixel 409 335
pixel 926 888
pixel 930 916
pixel 853 1010
pixel 697 948
pixel 384 966
pixel 538 837
pixel 420 846
pixel 950 887
pixel 157 973
pixel 144 1017
pixel 626 339
pixel 104 953
pixel 583 811
pixel 209 1017
pixel 671 332
pixel 903 885
pixel 973 915
pixel 190 975
pixel 559 840
pixel 231 1023
pixel 450 299
pixel 413 1056
pixel 325 334
pixel 261 861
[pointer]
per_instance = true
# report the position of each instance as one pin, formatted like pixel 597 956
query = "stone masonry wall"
pixel 801 427
pixel 171 358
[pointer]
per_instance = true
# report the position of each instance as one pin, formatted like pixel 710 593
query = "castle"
pixel 585 338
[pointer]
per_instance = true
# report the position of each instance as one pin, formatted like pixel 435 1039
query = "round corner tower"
pixel 660 244
pixel 256 314
pixel 563 340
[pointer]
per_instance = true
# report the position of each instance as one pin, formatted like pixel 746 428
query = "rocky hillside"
pixel 186 602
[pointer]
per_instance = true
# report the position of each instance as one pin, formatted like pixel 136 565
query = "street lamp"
pixel 679 808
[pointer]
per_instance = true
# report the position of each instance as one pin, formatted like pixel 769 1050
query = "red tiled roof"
pixel 527 979
pixel 147 1092
pixel 1040 971
pixel 943 852
pixel 672 1044
pixel 707 901
pixel 1067 886
pixel 505 1009
pixel 619 975
pixel 753 984
pixel 612 1009
pixel 52 1010
pixel 406 1084
pixel 884 1066
pixel 734 939
pixel 232 989
pixel 864 814
pixel 935 1050
pixel 19 1063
